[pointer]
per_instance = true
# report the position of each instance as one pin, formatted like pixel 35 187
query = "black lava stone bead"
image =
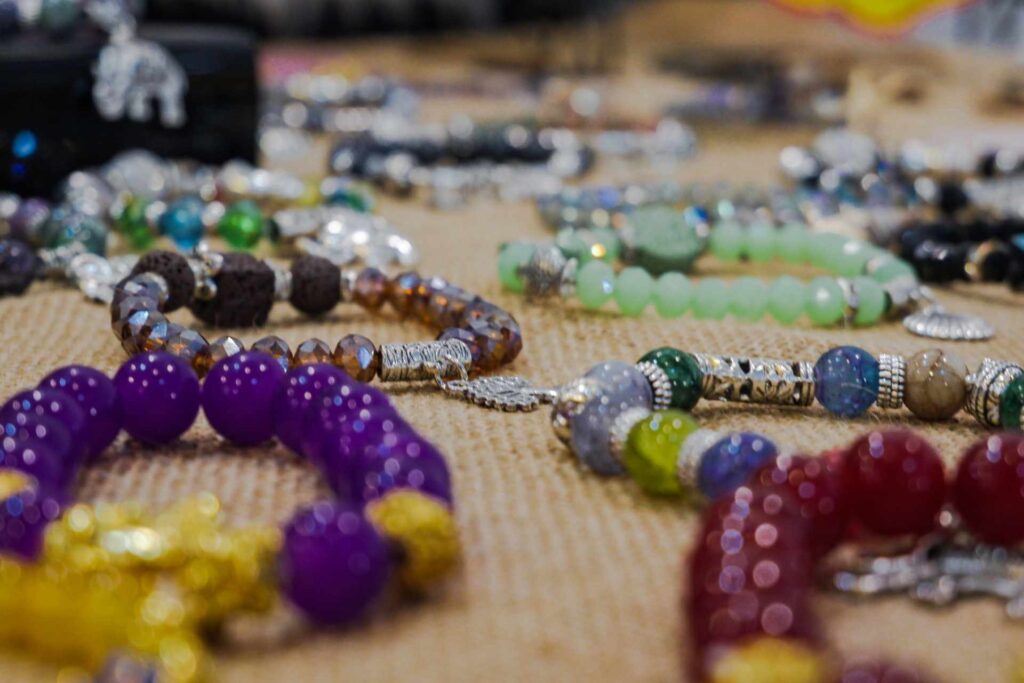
pixel 174 268
pixel 316 285
pixel 245 294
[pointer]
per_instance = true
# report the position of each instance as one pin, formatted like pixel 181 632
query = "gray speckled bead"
pixel 621 387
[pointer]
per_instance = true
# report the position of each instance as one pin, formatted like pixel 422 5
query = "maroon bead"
pixel 371 288
pixel 895 482
pixel 989 489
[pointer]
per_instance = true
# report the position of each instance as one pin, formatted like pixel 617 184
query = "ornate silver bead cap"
pixel 570 401
pixel 986 386
pixel 892 377
pixel 661 386
pixel 542 274
pixel 621 426
pixel 688 460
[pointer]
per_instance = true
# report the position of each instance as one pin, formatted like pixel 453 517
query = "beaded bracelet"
pixel 117 579
pixel 752 569
pixel 475 335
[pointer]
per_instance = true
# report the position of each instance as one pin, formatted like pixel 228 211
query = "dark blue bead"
pixel 731 461
pixel 846 380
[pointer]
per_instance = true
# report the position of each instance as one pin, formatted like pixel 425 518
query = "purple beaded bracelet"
pixel 334 562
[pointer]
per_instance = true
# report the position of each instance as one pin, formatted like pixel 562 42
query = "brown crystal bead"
pixel 145 285
pixel 217 350
pixel 188 345
pixel 467 338
pixel 144 331
pixel 124 309
pixel 276 347
pixel 312 351
pixel 499 343
pixel 370 289
pixel 402 290
pixel 448 306
pixel 357 356
pixel 420 305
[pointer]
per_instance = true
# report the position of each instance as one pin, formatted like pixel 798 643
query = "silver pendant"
pixel 935 322
pixel 131 74
pixel 508 393
pixel 937 571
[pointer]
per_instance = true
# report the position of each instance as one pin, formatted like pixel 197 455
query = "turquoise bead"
pixel 825 301
pixel 182 222
pixel 791 243
pixel 711 299
pixel 65 227
pixel 786 298
pixel 511 258
pixel 672 295
pixel 760 242
pixel 595 284
pixel 870 301
pixel 633 289
pixel 748 299
pixel 726 241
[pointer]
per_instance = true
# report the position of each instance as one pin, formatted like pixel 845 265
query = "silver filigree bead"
pixel 542 274
pixel 892 377
pixel 621 426
pixel 690 453
pixel 568 403
pixel 985 388
pixel 661 385
pixel 756 380
pixel 282 281
pixel 348 285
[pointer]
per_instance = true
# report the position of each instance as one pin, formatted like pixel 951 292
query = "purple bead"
pixel 35 458
pixel 295 396
pixel 95 394
pixel 24 513
pixel 334 406
pixel 25 428
pixel 334 564
pixel 238 397
pixel 731 461
pixel 159 396
pixel 846 380
pixel 18 267
pixel 394 460
pixel 28 220
pixel 57 406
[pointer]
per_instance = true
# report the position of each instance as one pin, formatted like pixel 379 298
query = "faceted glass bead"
pixel 595 284
pixel 371 288
pixel 334 563
pixel 786 299
pixel 122 311
pixel 420 307
pixel 672 294
pixel 96 396
pixel 871 301
pixel 1011 402
pixel 159 395
pixel 791 243
pixel 731 461
pixel 242 224
pixel 446 307
pixel 852 258
pixel 134 225
pixel 217 350
pixel 190 346
pixel 312 351
pixel 499 343
pixel 633 289
pixel 895 482
pixel 238 394
pixel 276 347
pixel 683 372
pixel 726 241
pixel 401 291
pixel 748 299
pixel 182 222
pixel 66 227
pixel 846 380
pixel 511 258
pixel 295 396
pixel 467 338
pixel 144 331
pixel 357 356
pixel 824 249
pixel 825 301
pixel 652 449
pixel 988 491
pixel 711 299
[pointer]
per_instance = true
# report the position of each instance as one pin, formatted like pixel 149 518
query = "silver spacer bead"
pixel 569 402
pixel 985 388
pixel 348 285
pixel 212 213
pixel 282 281
pixel 567 288
pixel 690 453
pixel 621 426
pixel 660 383
pixel 892 377
pixel 542 274
pixel 851 299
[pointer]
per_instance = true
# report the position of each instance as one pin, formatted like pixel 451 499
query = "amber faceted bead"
pixel 218 349
pixel 312 351
pixel 370 289
pixel 402 290
pixel 188 345
pixel 121 311
pixel 144 331
pixel 447 306
pixel 357 356
pixel 276 347
pixel 989 489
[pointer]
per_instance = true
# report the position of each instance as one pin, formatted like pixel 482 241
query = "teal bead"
pixel 683 372
pixel 711 299
pixel 748 299
pixel 786 298
pixel 595 284
pixel 791 243
pixel 511 258
pixel 182 222
pixel 663 240
pixel 672 295
pixel 825 301
pixel 633 289
pixel 852 258
pixel 891 269
pixel 760 242
pixel 66 227
pixel 726 241
pixel 871 301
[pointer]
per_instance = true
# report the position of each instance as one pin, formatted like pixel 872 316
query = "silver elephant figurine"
pixel 130 74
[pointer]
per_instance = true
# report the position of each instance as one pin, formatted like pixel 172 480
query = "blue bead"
pixel 846 380
pixel 183 222
pixel 731 461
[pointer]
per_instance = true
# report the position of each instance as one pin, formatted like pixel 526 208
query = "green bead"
pixel 609 242
pixel 791 243
pixel 748 299
pixel 726 241
pixel 760 242
pixel 870 301
pixel 786 298
pixel 572 244
pixel 241 226
pixel 633 290
pixel 711 299
pixel 852 258
pixel 891 269
pixel 672 294
pixel 1010 404
pixel 663 240
pixel 684 375
pixel 133 225
pixel 511 258
pixel 825 249
pixel 595 284
pixel 825 301
pixel 652 449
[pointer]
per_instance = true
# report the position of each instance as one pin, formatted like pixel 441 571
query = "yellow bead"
pixel 12 482
pixel 425 530
pixel 770 660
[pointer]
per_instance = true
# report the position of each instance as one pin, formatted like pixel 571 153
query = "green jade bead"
pixel 633 289
pixel 133 225
pixel 760 243
pixel 511 258
pixel 748 299
pixel 852 258
pixel 824 249
pixel 726 241
pixel 892 268
pixel 652 450
pixel 595 284
pixel 1011 402
pixel 711 299
pixel 871 301
pixel 672 295
pixel 791 243
pixel 663 240
pixel 683 372
pixel 241 226
pixel 787 297
pixel 825 301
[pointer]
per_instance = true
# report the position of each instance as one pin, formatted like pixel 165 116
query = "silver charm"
pixel 935 322
pixel 939 570
pixel 508 393
pixel 130 74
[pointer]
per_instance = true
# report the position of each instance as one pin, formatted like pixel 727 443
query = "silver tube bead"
pixel 419 361
pixel 756 380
